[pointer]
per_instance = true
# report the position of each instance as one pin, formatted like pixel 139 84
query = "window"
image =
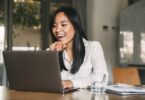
pixel 126 48
pixel 26 25
pixel 142 55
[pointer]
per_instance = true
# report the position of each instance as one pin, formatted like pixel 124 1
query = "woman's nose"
pixel 58 28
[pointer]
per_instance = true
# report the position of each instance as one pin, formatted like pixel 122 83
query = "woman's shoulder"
pixel 91 43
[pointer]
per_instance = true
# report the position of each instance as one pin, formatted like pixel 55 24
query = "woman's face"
pixel 63 29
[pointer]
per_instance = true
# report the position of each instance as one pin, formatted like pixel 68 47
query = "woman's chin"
pixel 63 41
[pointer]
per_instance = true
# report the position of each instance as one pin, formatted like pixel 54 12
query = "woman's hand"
pixel 67 84
pixel 57 46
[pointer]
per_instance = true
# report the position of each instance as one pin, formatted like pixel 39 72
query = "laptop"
pixel 34 71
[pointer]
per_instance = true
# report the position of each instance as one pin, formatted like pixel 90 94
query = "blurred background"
pixel 119 26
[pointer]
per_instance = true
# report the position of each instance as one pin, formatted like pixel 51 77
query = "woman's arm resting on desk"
pixel 67 84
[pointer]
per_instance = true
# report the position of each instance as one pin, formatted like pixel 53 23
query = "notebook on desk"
pixel 125 89
pixel 34 71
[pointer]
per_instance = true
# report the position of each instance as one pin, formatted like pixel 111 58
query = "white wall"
pixel 100 13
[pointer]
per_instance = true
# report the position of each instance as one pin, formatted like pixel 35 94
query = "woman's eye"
pixel 64 24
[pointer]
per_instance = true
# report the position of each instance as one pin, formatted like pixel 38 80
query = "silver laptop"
pixel 34 71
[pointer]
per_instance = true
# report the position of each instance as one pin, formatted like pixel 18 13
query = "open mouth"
pixel 60 36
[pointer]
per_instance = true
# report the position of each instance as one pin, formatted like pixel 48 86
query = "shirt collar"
pixel 65 56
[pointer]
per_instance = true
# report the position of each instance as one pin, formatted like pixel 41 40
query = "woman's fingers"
pixel 52 46
pixel 57 46
pixel 67 84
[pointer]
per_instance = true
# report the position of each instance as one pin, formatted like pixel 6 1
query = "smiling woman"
pixel 63 29
pixel 80 59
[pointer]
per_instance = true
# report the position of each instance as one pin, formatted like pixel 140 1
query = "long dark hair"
pixel 78 44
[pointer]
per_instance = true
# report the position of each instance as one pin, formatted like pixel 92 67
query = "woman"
pixel 79 58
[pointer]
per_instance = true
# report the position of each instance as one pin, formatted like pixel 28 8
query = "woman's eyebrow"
pixel 64 21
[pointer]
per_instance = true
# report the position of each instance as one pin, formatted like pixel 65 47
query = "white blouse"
pixel 94 63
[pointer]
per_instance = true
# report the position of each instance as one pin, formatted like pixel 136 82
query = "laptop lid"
pixel 33 71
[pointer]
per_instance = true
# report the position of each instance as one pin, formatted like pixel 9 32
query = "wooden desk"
pixel 83 94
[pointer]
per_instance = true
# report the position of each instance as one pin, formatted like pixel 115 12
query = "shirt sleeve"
pixel 98 63
pixel 81 83
pixel 98 59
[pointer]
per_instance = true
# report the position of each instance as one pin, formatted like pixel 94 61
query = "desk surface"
pixel 82 94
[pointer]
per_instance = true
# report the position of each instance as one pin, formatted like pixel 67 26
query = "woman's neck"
pixel 69 51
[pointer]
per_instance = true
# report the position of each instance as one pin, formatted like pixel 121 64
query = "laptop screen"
pixel 33 71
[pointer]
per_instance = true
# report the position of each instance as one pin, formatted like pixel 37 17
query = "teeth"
pixel 60 35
